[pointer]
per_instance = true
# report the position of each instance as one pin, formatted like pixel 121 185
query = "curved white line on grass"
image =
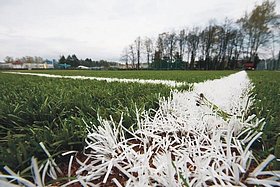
pixel 142 81
pixel 193 139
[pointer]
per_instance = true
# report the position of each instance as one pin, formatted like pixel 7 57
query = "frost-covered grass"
pixel 195 138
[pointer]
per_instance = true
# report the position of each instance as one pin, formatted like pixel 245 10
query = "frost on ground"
pixel 196 138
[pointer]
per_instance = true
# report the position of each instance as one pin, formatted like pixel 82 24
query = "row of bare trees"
pixel 216 46
pixel 25 59
pixel 137 51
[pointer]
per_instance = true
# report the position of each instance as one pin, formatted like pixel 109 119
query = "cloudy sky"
pixel 100 29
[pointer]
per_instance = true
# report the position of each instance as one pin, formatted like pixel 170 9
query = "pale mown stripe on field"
pixel 142 81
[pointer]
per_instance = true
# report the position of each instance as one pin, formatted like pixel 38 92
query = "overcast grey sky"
pixel 100 29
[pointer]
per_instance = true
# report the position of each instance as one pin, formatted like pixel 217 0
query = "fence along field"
pixel 74 112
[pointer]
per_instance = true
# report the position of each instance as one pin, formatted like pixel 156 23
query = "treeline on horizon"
pixel 217 46
pixel 74 62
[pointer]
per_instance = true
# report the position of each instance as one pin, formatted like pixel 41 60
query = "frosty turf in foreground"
pixel 181 145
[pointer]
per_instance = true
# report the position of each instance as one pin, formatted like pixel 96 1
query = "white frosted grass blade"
pixel 124 171
pixel 252 141
pixel 274 173
pixel 128 183
pixel 19 179
pixel 82 182
pixel 3 179
pixel 68 152
pixel 109 168
pixel 36 173
pixel 11 172
pixel 45 149
pixel 45 170
pixel 8 170
pixel 263 182
pixel 116 182
pixel 262 165
pixel 69 167
pixel 52 173
pixel 5 183
pixel 53 165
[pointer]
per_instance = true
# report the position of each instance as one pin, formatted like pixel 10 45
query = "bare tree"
pixel 193 43
pixel 257 26
pixel 170 43
pixel 238 49
pixel 138 50
pixel 125 57
pixel 132 55
pixel 182 42
pixel 166 45
pixel 161 44
pixel 8 59
pixel 27 59
pixel 148 45
pixel 38 59
pixel 224 35
pixel 208 39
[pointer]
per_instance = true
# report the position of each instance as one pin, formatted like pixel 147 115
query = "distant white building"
pixel 4 65
pixel 144 65
pixel 47 64
pixel 83 67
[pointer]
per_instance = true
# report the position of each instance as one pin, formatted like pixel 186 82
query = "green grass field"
pixel 35 109
pixel 267 104
pixel 55 111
